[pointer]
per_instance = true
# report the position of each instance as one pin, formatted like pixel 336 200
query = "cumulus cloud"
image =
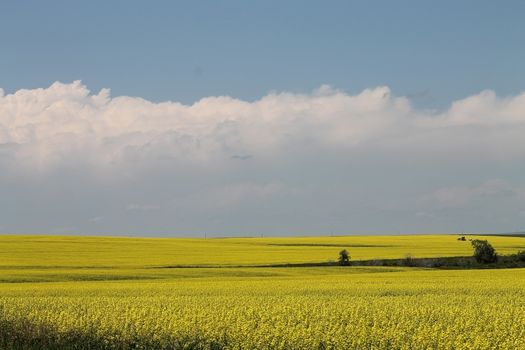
pixel 41 128
pixel 48 126
pixel 44 127
pixel 372 152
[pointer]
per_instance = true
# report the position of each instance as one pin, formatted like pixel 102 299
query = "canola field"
pixel 75 251
pixel 108 293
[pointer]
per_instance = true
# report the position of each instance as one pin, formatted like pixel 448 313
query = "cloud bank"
pixel 288 163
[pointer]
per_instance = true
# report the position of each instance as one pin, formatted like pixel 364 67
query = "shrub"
pixel 484 252
pixel 409 260
pixel 521 255
pixel 344 258
pixel 437 262
pixel 376 262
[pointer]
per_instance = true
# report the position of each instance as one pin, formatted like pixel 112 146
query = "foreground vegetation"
pixel 72 300
pixel 279 308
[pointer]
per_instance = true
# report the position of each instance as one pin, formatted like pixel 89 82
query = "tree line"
pixel 483 254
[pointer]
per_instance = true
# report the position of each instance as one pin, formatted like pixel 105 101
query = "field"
pixel 116 293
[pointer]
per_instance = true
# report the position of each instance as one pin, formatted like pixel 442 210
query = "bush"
pixel 409 260
pixel 437 262
pixel 344 258
pixel 484 252
pixel 376 262
pixel 521 255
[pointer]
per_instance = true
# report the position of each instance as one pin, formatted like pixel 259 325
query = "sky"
pixel 240 118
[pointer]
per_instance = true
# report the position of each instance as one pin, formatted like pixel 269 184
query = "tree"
pixel 484 252
pixel 344 258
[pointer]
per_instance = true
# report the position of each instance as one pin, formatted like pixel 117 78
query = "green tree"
pixel 344 258
pixel 484 252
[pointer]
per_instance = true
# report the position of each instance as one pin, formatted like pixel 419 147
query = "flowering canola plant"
pixel 272 308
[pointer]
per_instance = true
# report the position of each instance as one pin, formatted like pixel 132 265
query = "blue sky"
pixel 435 52
pixel 233 118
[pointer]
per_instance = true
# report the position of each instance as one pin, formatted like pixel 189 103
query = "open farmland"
pixel 69 251
pixel 113 293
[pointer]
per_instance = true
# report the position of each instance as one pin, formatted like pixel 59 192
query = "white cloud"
pixel 380 153
pixel 66 123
